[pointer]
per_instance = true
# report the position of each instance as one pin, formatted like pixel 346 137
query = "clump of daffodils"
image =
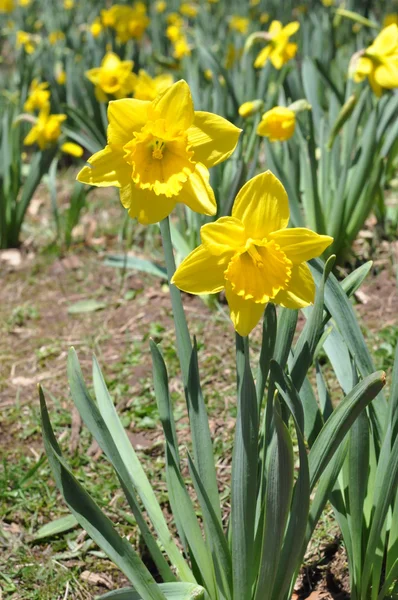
pixel 175 33
pixel 379 62
pixel 39 96
pixel 129 22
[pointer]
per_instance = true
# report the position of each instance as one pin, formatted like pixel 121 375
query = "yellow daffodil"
pixel 46 130
pixel 379 62
pixel 7 6
pixel 72 149
pixel 69 4
pixel 173 32
pixel 129 22
pixel 253 256
pixel 26 40
pixel 181 48
pixel 108 16
pixel 39 96
pixel 277 124
pixel 264 18
pixel 60 75
pixel 96 28
pixel 160 6
pixel 247 109
pixel 279 50
pixel 189 10
pixel 56 36
pixel 240 24
pixel 113 78
pixel 24 2
pixel 147 87
pixel 159 152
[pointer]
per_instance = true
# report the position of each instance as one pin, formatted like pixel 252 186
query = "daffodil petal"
pixel 300 244
pixel 275 28
pixel 245 314
pixel 175 106
pixel 291 28
pixel 226 234
pixel 201 272
pixel 386 75
pixel 212 137
pixel 301 290
pixel 145 205
pixel 262 205
pixel 106 168
pixel 385 42
pixel 262 57
pixel 93 74
pixel 197 192
pixel 125 117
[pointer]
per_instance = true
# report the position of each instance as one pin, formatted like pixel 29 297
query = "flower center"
pixel 161 159
pixel 259 270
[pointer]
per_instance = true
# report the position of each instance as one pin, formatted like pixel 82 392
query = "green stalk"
pixel 184 346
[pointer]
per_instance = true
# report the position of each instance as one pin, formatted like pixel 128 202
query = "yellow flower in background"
pixel 147 87
pixel 46 130
pixel 264 18
pixel 60 75
pixel 69 4
pixel 7 6
pixel 26 41
pixel 73 149
pixel 390 20
pixel 108 16
pixel 279 50
pixel 189 10
pixel 39 96
pixel 327 2
pixel 379 62
pixel 277 124
pixel 240 24
pixel 56 36
pixel 160 6
pixel 181 48
pixel 24 2
pixel 253 256
pixel 96 28
pixel 159 153
pixel 247 109
pixel 129 22
pixel 113 78
pixel 254 3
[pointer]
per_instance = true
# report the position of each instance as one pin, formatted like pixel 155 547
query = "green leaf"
pixel 278 496
pixel 124 261
pixel 92 519
pixel 133 476
pixel 55 527
pixel 244 476
pixel 171 591
pixel 85 306
pixel 267 350
pixel 340 422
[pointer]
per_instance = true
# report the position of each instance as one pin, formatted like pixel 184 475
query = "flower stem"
pixel 184 346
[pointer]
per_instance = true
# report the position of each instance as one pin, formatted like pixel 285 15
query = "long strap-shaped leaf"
pixel 200 432
pixel 278 496
pixel 172 591
pixel 339 423
pixel 244 477
pixel 266 352
pixel 92 519
pixel 132 473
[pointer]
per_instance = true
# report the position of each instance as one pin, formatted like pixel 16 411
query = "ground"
pixel 41 316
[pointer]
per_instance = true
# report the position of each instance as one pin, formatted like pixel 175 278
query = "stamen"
pixel 157 151
pixel 255 255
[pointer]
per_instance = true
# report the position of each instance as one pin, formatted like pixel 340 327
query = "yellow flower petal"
pixel 291 28
pixel 245 314
pixel 275 28
pixel 300 244
pixel 197 192
pixel 385 42
pixel 213 138
pixel 175 106
pixel 262 205
pixel 386 75
pixel 262 57
pixel 144 205
pixel 301 290
pixel 72 149
pixel 224 235
pixel 106 168
pixel 93 75
pixel 125 117
pixel 200 272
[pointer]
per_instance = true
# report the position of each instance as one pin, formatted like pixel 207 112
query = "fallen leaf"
pixel 85 306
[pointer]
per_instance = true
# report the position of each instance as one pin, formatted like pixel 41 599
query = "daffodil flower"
pixel 159 152
pixel 113 78
pixel 277 124
pixel 253 256
pixel 47 129
pixel 379 62
pixel 39 96
pixel 279 50
pixel 147 87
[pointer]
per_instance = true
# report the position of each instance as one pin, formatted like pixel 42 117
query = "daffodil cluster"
pixel 128 22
